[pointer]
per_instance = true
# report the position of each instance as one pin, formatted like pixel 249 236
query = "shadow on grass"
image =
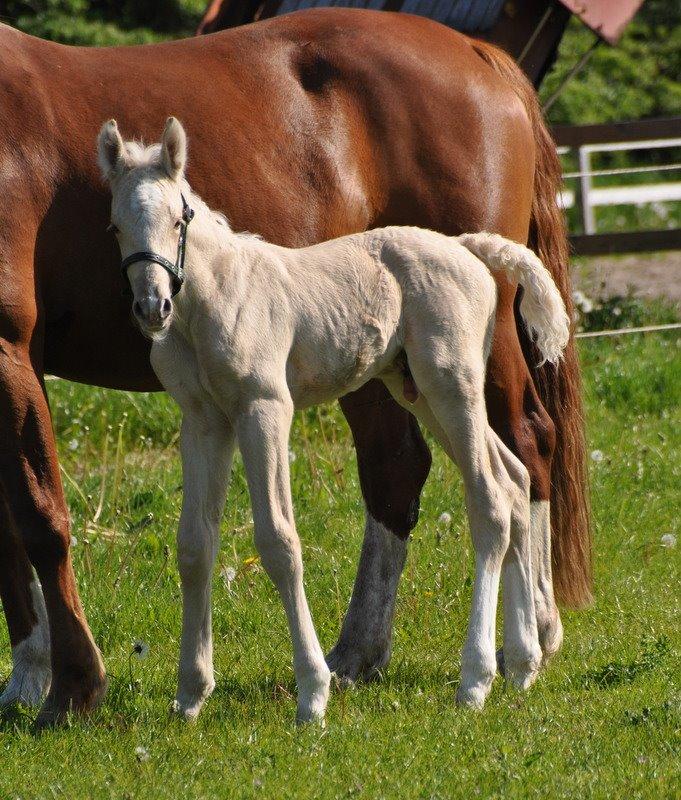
pixel 616 673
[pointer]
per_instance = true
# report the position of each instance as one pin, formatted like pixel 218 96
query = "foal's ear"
pixel 174 149
pixel 110 149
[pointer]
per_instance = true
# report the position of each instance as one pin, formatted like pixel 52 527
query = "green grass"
pixel 603 720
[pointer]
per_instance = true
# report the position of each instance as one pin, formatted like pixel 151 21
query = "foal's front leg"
pixel 207 446
pixel 263 431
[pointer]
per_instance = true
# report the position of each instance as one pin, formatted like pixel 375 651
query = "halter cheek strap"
pixel 176 270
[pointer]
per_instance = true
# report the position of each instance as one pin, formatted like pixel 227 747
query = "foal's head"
pixel 148 216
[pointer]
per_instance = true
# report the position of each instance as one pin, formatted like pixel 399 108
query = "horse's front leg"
pixel 207 446
pixel 393 461
pixel 24 607
pixel 263 431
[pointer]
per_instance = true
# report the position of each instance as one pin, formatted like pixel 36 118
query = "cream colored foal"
pixel 246 331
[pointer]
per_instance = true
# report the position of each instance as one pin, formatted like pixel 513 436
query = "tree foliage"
pixel 640 77
pixel 104 22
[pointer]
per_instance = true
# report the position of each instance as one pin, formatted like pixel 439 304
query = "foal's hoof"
pixel 71 696
pixel 520 672
pixel 189 704
pixel 313 698
pixel 471 698
pixel 550 636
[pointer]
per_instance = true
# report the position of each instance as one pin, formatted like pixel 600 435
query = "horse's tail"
pixel 559 387
pixel 541 308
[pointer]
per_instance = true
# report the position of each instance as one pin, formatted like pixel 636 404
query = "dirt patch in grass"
pixel 650 275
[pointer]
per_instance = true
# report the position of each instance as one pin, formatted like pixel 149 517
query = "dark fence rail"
pixel 651 132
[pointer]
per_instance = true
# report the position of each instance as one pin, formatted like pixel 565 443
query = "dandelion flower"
pixel 140 650
pixel 597 456
pixel 668 540
pixel 445 519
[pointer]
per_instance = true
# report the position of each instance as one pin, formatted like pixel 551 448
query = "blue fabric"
pixel 463 15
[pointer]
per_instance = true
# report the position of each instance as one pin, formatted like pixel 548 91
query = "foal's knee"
pixel 491 535
pixel 195 553
pixel 279 550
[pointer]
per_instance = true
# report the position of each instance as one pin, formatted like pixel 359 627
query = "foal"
pixel 259 330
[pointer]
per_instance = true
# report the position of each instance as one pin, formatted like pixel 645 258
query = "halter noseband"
pixel 176 270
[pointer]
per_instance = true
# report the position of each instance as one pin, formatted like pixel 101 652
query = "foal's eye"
pixel 112 229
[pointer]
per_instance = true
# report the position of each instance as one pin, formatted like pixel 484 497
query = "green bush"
pixel 104 22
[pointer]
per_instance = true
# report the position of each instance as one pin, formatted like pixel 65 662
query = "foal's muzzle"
pixel 152 312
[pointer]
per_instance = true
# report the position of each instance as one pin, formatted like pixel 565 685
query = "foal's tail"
pixel 541 307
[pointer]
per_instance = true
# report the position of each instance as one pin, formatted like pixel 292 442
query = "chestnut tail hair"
pixel 560 387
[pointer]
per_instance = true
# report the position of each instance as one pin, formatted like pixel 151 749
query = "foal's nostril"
pixel 137 309
pixel 166 308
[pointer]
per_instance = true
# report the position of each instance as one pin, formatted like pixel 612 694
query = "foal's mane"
pixel 138 154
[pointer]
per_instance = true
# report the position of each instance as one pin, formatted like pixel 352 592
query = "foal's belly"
pixel 321 371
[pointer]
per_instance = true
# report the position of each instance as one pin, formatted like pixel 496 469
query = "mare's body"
pixel 323 123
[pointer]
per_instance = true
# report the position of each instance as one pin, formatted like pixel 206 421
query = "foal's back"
pixel 355 302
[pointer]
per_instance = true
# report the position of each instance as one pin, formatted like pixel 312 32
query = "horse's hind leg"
pixel 263 431
pixel 393 462
pixel 24 606
pixel 29 474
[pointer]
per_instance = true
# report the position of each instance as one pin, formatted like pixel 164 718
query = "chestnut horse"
pixel 323 122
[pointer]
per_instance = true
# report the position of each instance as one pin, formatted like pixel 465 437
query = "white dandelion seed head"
pixel 291 456
pixel 142 753
pixel 74 541
pixel 668 540
pixel 140 650
pixel 445 519
pixel 228 574
pixel 587 306
pixel 597 456
pixel 73 445
pixel 578 297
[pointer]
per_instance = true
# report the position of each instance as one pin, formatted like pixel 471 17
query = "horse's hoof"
pixel 66 697
pixel 523 674
pixel 353 664
pixel 28 684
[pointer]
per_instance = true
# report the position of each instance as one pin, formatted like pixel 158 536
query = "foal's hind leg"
pixel 521 654
pixel 454 394
pixel 263 431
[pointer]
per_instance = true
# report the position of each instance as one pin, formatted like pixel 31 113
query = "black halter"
pixel 176 270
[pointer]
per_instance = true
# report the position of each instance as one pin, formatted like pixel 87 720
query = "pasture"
pixel 602 721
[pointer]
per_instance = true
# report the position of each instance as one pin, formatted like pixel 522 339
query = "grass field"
pixel 603 721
